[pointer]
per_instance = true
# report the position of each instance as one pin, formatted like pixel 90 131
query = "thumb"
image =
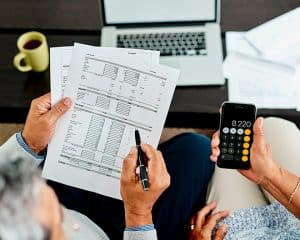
pixel 258 133
pixel 59 109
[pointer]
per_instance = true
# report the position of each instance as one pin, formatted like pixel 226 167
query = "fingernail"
pixel 68 101
pixel 132 150
pixel 260 122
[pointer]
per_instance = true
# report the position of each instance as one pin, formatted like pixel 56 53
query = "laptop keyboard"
pixel 169 44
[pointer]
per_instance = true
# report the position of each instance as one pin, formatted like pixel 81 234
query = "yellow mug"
pixel 34 52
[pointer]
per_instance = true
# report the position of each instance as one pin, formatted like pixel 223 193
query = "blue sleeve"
pixel 17 147
pixel 145 232
pixel 147 227
pixel 23 144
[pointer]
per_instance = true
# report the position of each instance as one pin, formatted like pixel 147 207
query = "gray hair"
pixel 19 196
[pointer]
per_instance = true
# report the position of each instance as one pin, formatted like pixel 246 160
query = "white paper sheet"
pixel 265 84
pixel 235 42
pixel 279 37
pixel 113 95
pixel 60 58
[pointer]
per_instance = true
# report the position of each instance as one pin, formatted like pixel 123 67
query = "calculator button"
pixel 246 145
pixel 233 131
pixel 225 137
pixel 225 130
pixel 247 139
pixel 239 144
pixel 245 158
pixel 238 151
pixel 224 150
pixel 226 157
pixel 240 138
pixel 247 131
pixel 230 150
pixel 232 137
pixel 231 144
pixel 224 144
pixel 245 152
pixel 237 157
pixel 240 131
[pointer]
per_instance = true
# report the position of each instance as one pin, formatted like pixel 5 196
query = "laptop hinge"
pixel 146 25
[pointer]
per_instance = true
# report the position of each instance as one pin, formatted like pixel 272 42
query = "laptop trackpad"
pixel 170 63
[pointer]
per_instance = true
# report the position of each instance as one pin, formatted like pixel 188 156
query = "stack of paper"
pixel 114 92
pixel 262 65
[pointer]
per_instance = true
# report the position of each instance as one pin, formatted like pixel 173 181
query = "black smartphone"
pixel 236 135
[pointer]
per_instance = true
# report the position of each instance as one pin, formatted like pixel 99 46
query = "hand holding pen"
pixel 137 202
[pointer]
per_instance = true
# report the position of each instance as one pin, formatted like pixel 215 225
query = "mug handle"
pixel 17 62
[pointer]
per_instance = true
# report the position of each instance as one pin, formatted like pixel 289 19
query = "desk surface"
pixel 65 22
pixel 238 15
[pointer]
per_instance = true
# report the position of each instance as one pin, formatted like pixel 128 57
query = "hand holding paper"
pixel 114 93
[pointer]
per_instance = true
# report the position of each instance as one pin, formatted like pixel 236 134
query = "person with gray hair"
pixel 19 195
pixel 30 209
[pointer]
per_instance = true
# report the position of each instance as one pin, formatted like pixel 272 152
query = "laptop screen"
pixel 158 11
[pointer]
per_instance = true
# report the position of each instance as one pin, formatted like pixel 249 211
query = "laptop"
pixel 187 34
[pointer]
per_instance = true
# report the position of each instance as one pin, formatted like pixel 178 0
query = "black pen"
pixel 141 162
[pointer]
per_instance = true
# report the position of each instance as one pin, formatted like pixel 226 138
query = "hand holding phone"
pixel 236 135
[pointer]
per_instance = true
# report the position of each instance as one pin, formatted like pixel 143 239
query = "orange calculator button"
pixel 247 132
pixel 247 139
pixel 246 145
pixel 244 158
pixel 245 152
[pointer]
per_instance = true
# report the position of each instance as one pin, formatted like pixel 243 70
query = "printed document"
pixel 60 60
pixel 113 95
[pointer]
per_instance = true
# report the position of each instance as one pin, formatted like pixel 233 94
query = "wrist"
pixel 30 144
pixel 136 218
pixel 268 178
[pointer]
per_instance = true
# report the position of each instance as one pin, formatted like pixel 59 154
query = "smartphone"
pixel 236 135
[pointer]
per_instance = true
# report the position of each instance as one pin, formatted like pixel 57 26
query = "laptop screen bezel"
pixel 175 23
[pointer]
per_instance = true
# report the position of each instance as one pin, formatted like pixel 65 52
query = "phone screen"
pixel 236 135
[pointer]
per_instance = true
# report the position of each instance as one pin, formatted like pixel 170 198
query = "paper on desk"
pixel 60 58
pixel 265 84
pixel 278 38
pixel 235 42
pixel 112 96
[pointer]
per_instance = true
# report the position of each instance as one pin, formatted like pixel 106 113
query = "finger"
pixel 45 98
pixel 200 217
pixel 156 164
pixel 165 176
pixel 41 104
pixel 150 152
pixel 59 109
pixel 221 232
pixel 215 141
pixel 129 164
pixel 213 220
pixel 215 154
pixel 258 134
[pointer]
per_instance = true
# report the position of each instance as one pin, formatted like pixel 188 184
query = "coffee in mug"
pixel 34 52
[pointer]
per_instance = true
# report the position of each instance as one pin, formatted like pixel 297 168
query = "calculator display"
pixel 236 135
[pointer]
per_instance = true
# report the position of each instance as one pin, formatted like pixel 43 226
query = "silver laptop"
pixel 187 34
